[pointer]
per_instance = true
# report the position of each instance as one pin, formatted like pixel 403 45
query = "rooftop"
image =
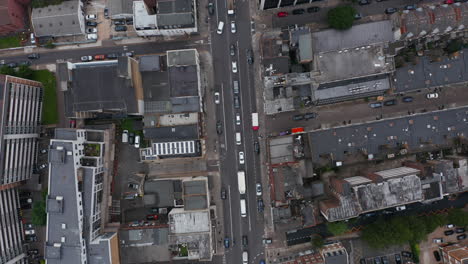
pixel 185 57
pixel 195 195
pixel 58 20
pixel 172 133
pixel 164 192
pixel 281 150
pixel 185 222
pixel 120 8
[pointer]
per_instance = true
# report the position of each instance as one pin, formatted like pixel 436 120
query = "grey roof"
pixel 183 81
pixel 195 195
pixel 59 20
pixel 178 19
pixel 339 258
pixel 302 38
pixel 281 150
pixel 172 133
pixel 450 176
pixel 175 13
pixel 347 208
pixel 279 64
pixel 120 8
pixel 150 63
pixel 359 35
pixel 162 190
pixel 185 104
pixel 185 57
pixel 174 6
pixel 98 87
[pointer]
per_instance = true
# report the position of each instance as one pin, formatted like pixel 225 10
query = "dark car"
pixel 298 117
pixel 245 241
pixel 131 138
pixel 91 23
pixel 406 254
pixel 391 10
pixel 461 237
pixel 106 12
pixel 256 147
pixel 250 59
pixel 299 11
pixel 236 102
pixel 223 193
pixel 152 217
pixel 460 230
pixel 112 56
pixel 33 252
pixel 313 9
pixel 129 22
pixel 219 127
pixel 364 2
pixel 232 49
pixel 448 232
pixel 376 105
pixel 411 7
pixel 377 260
pixel 390 102
pixel 211 8
pixel 120 28
pixel 12 64
pixel 362 261
pixel 260 205
pixel 357 16
pixel 397 259
pixel 34 56
pixel 30 238
pixel 384 260
pixel 408 99
pixel 308 116
pixel 119 22
pixel 437 255
pixel 226 242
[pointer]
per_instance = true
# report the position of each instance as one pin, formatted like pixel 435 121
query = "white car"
pixel 91 17
pixel 86 58
pixel 400 208
pixel 258 189
pixel 450 226
pixel 438 240
pixel 91 36
pixel 233 27
pixel 216 96
pixel 137 142
pixel 432 95
pixel 234 66
pixel 238 119
pixel 91 30
pixel 241 157
pixel 29 232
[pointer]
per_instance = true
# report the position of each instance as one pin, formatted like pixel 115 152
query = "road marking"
pixel 230 209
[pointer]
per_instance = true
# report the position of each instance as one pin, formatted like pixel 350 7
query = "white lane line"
pixel 224 117
pixel 230 210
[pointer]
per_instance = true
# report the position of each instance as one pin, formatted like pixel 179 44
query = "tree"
pixel 39 215
pixel 317 241
pixel 341 17
pixel 417 226
pixel 458 217
pixel 24 72
pixel 7 70
pixel 50 44
pixel 454 46
pixel 434 221
pixel 337 228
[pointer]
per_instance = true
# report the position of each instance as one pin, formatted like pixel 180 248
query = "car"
pixel 250 58
pixel 258 189
pixel 377 260
pixel 299 11
pixel 397 259
pixel 31 238
pixel 241 157
pixel 407 254
pixel 152 217
pixel 238 119
pixel 236 102
pixel 216 97
pixel 28 226
pixel 260 205
pixel 92 36
pixel 400 208
pixel 262 261
pixel 119 22
pixel 362 261
pixel 211 8
pixel 450 226
pixel 411 7
pixel 438 240
pixel 461 237
pixel 91 30
pixel 106 12
pixel 72 123
pixel 33 252
pixel 376 105
pixel 129 21
pixel 407 99
pixel 12 64
pixel 25 63
pixel 127 54
pixel 432 95
pixel 226 242
pixel 313 9
pixel 131 196
pixel 233 27
pixel 436 255
pixel 298 117
pixel 32 38
pixel 267 241
pixel 137 141
pixel 256 147
pixel 234 67
pixel 131 138
pixel 112 56
pixel 133 186
pixel 449 232
pixel 29 232
pixel 25 194
pixel 91 24
pixel 460 230
pixel 91 17
pixel 223 193
pixel 364 2
pixel 384 260
pixel 43 166
pixel 219 127
pixel 282 14
pixel 391 10
pixel 245 241
pixel 34 56
pixel 86 58
pixel 357 16
pixel 308 116
pixel 449 2
pixel 100 57
pixel 120 28
pixel 232 49
pixel 26 200
pixel 390 102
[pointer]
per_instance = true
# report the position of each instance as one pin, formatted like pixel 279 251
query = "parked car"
pixel 384 260
pixel 86 58
pixel 376 105
pixel 407 254
pixel 100 57
pixel 390 102
pixel 33 252
pixel 256 147
pixel 407 99
pixel 137 141
pixel 43 166
pixel 112 56
pixel 133 186
pixel 308 116
pixel 216 97
pixel 233 27
pixel 226 242
pixel 12 64
pixel 298 117
pixel 411 7
pixel 219 127
pixel 377 260
pixel 364 2
pixel 357 16
pixel 299 11
pixel 211 8
pixel 92 36
pixel 232 49
pixel 236 102
pixel 450 226
pixel 436 255
pixel 91 17
pixel 260 205
pixel 28 226
pixel 250 58
pixel 397 259
pixel 267 241
pixel 129 22
pixel 106 12
pixel 258 189
pixel 234 67
pixel 400 208
pixel 313 9
pixel 391 10
pixel 29 232
pixel 282 14
pixel 91 30
pixel 461 237
pixel 31 238
pixel 460 230
pixel 438 240
pixel 91 24
pixel 34 56
pixel 120 28
pixel 25 194
pixel 131 138
pixel 449 232
pixel 119 22
pixel 152 217
pixel 223 193
pixel 241 157
pixel 432 95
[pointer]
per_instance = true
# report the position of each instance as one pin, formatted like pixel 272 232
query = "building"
pixel 65 19
pixel 111 87
pixel 455 253
pixel 269 4
pixel 120 9
pixel 12 15
pixel 20 115
pixel 76 200
pixel 335 253
pixel 165 17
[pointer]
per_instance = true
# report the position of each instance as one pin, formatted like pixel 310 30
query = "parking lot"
pixel 429 246
pixel 364 254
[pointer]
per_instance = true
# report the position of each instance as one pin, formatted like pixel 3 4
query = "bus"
pixel 255 121
pixel 241 181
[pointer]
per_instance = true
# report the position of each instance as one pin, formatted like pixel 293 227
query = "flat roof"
pixel 184 57
pixel 281 149
pixel 172 133
pixel 163 191
pixel 195 195
pixel 185 222
pixel 58 20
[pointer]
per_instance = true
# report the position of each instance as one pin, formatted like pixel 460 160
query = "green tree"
pixel 24 72
pixel 39 216
pixel 417 226
pixel 50 44
pixel 458 217
pixel 434 221
pixel 7 70
pixel 337 228
pixel 317 241
pixel 341 17
pixel 454 46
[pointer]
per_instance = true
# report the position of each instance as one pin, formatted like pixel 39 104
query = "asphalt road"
pixel 236 226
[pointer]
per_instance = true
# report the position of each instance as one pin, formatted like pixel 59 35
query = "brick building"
pixel 13 14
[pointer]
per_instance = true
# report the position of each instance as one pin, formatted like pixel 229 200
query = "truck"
pixel 255 121
pixel 241 181
pixel 243 207
pixel 231 7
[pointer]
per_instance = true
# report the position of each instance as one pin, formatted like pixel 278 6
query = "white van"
pixel 137 142
pixel 243 208
pixel 33 39
pixel 245 257
pixel 238 138
pixel 125 136
pixel 220 27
